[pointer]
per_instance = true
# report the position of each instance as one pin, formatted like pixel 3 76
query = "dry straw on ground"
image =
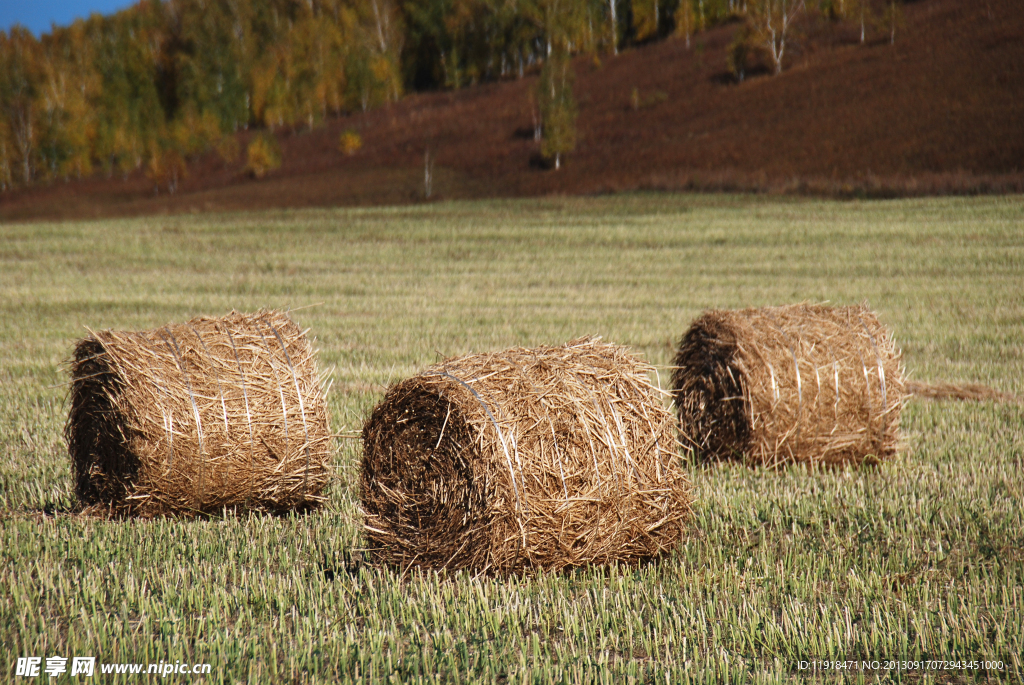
pixel 803 383
pixel 199 416
pixel 527 458
pixel 970 392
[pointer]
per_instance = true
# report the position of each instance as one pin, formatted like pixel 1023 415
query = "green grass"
pixel 922 558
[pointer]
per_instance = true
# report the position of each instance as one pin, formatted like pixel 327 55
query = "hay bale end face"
pixel 802 383
pixel 528 458
pixel 196 417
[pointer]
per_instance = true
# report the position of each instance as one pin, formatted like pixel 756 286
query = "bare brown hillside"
pixel 941 111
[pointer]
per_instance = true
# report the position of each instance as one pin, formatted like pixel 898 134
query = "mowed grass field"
pixel 921 559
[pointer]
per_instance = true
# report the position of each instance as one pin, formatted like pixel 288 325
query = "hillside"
pixel 940 111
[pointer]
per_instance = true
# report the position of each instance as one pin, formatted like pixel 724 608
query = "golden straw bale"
pixel 802 383
pixel 528 458
pixel 196 417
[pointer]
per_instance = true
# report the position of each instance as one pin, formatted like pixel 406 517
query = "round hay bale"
pixel 195 417
pixel 802 383
pixel 527 458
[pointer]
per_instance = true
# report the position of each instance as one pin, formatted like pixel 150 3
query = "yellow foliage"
pixel 685 21
pixel 127 149
pixel 350 142
pixel 193 134
pixel 264 156
pixel 262 77
pixel 645 18
pixel 166 168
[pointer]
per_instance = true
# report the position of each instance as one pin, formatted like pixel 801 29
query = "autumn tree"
pixel 263 155
pixel 446 39
pixel 313 69
pixel 69 87
pixel 558 108
pixel 772 21
pixel 129 112
pixel 613 25
pixel 20 71
pixel 426 42
pixel 891 19
pixel 647 17
pixel 374 59
pixel 207 40
pixel 684 20
pixel 554 88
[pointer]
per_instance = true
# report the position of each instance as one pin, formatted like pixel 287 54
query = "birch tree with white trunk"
pixel 773 20
pixel 615 27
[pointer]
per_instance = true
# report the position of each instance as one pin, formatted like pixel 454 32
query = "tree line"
pixel 160 82
pixel 165 80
